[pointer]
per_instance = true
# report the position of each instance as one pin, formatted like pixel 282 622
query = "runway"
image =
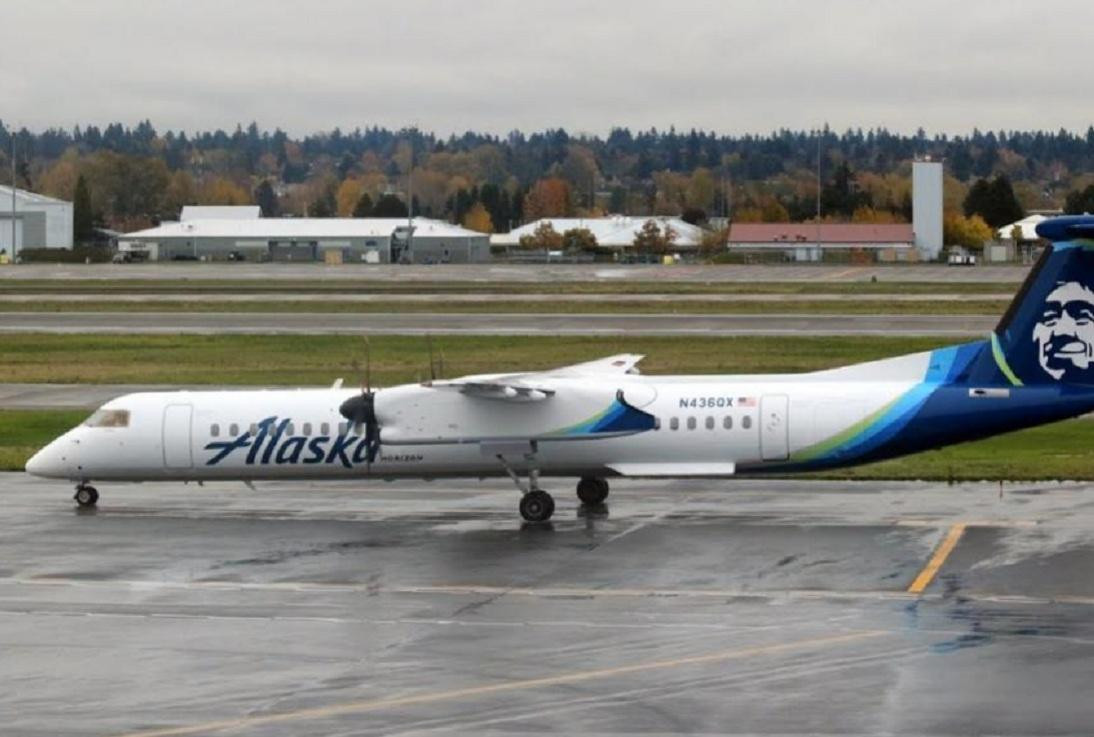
pixel 517 273
pixel 493 324
pixel 747 607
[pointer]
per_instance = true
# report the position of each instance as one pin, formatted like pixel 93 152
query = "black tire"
pixel 86 496
pixel 537 506
pixel 592 491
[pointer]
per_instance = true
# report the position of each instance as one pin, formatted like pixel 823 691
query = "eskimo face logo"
pixel 1065 332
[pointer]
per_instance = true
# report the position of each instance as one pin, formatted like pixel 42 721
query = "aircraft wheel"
pixel 86 496
pixel 537 506
pixel 592 491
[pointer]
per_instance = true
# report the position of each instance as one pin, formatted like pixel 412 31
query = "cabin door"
pixel 177 452
pixel 774 427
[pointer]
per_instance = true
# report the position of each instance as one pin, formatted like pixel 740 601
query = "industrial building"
pixel 809 241
pixel 40 221
pixel 919 240
pixel 616 231
pixel 222 234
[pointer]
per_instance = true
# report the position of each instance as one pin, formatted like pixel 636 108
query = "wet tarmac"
pixel 348 323
pixel 759 607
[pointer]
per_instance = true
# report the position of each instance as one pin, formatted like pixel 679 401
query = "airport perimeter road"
pixel 492 324
pixel 498 272
pixel 680 607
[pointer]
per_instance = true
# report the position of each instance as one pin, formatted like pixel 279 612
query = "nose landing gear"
pixel 592 491
pixel 86 496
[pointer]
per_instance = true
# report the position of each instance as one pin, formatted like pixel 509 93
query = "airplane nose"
pixel 46 462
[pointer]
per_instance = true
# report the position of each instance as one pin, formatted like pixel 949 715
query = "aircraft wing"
pixel 624 363
pixel 514 388
pixel 530 387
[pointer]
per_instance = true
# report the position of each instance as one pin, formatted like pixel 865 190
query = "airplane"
pixel 602 419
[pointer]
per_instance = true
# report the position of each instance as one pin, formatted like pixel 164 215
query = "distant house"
pixel 1027 228
pixel 809 241
pixel 616 232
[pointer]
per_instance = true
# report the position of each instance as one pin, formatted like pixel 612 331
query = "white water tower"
pixel 927 207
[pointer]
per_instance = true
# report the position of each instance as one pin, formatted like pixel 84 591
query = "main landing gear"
pixel 536 505
pixel 86 496
pixel 592 491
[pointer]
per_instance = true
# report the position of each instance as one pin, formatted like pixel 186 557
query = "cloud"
pixel 730 66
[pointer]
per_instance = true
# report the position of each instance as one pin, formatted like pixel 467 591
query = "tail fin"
pixel 1047 334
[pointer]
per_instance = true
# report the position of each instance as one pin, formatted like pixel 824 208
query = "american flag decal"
pixel 746 401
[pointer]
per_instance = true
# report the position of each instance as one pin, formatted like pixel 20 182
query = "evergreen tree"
pixel 363 208
pixel 1080 201
pixel 389 206
pixel 266 199
pixel 83 220
pixel 994 201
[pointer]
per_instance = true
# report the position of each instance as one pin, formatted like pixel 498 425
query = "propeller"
pixel 360 409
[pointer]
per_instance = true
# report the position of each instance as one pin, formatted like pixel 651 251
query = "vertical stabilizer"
pixel 1046 335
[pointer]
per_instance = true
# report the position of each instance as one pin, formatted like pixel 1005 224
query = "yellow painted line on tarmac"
pixel 359 707
pixel 841 274
pixel 941 553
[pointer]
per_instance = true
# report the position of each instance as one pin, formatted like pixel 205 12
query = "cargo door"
pixel 177 452
pixel 774 427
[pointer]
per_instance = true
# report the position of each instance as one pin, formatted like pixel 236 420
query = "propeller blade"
pixel 432 368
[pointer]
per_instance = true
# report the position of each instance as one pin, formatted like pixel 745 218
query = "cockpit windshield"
pixel 109 418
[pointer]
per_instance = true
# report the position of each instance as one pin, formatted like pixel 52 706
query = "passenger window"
pixel 307 428
pixel 727 422
pixel 674 423
pixel 214 430
pixel 691 423
pixel 325 428
pixel 343 428
pixel 746 422
pixel 109 418
pixel 290 429
pixel 233 429
pixel 254 428
pixel 710 423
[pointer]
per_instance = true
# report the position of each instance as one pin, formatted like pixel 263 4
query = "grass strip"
pixel 774 306
pixel 287 360
pixel 497 286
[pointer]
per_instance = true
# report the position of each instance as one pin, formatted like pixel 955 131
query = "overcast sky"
pixel 732 66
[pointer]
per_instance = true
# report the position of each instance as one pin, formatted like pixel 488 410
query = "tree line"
pixel 135 176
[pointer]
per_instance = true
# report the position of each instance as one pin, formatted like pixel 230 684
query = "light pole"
pixel 13 184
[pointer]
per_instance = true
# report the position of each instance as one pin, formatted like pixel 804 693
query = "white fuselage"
pixel 707 426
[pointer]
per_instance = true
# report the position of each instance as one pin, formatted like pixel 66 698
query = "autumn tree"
pixel 547 198
pixel 478 219
pixel 325 204
pixel 348 194
pixel 968 232
pixel 221 191
pixel 544 236
pixel 652 240
pixel 580 239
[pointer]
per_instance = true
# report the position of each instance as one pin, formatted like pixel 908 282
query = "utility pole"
pixel 410 197
pixel 819 194
pixel 12 134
